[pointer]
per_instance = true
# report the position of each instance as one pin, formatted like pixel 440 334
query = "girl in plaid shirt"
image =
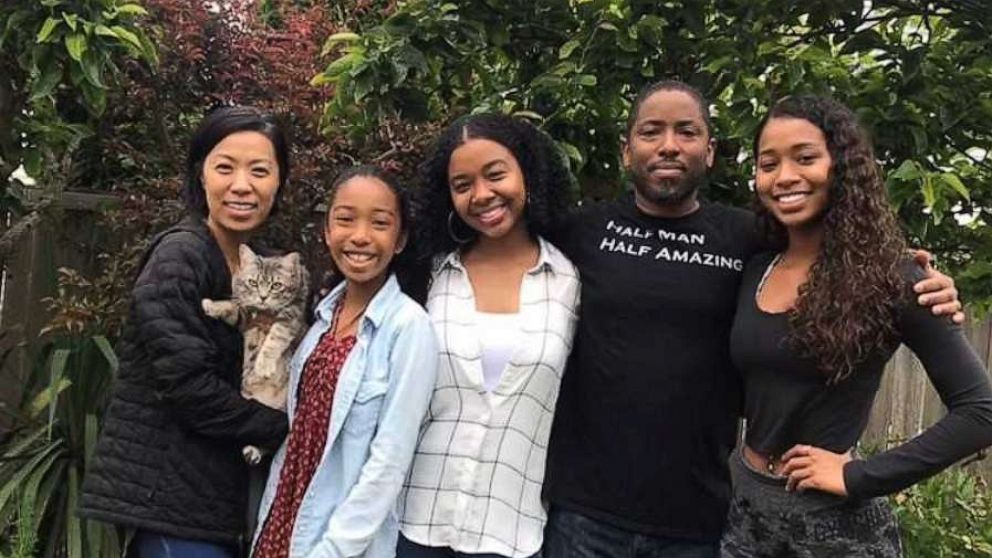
pixel 504 303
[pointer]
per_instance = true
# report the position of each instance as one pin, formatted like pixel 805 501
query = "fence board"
pixel 31 268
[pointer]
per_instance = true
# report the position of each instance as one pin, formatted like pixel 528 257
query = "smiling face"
pixel 487 187
pixel 364 229
pixel 668 151
pixel 240 178
pixel 792 176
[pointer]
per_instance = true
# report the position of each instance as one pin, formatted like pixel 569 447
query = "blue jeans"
pixel 406 548
pixel 572 535
pixel 153 545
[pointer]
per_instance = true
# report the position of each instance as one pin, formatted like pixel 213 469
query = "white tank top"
pixel 499 336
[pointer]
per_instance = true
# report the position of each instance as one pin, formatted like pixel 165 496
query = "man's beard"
pixel 674 191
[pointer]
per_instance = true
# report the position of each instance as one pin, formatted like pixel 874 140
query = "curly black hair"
pixel 547 181
pixel 846 310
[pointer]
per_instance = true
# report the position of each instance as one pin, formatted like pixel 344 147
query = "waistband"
pixel 769 491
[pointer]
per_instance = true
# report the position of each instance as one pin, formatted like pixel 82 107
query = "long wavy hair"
pixel 546 179
pixel 846 309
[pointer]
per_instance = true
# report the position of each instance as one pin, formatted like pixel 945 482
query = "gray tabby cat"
pixel 268 304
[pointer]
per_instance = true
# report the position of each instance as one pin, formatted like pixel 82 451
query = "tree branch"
pixel 980 163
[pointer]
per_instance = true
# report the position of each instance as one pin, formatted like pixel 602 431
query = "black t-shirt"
pixel 788 401
pixel 647 412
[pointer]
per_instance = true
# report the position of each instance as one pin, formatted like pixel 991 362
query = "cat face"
pixel 269 283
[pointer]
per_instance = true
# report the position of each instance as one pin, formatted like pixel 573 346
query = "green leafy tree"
pixel 58 61
pixel 918 73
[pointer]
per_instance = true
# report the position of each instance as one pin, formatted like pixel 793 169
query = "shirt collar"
pixel 548 258
pixel 377 308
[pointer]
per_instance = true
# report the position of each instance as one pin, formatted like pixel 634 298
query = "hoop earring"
pixel 451 230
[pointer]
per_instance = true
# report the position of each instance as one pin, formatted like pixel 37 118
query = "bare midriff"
pixel 768 464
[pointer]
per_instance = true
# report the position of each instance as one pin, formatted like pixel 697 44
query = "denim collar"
pixel 377 308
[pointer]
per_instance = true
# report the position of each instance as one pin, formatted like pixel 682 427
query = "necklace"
pixel 337 326
pixel 764 276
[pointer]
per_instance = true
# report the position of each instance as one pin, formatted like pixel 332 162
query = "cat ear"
pixel 291 259
pixel 245 253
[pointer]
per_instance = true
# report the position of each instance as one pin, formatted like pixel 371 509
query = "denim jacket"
pixel 382 394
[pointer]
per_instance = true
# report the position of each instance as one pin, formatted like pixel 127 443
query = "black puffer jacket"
pixel 169 455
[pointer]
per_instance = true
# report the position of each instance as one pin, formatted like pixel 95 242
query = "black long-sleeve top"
pixel 788 401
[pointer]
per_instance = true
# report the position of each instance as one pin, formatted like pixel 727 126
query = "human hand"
pixel 811 467
pixel 937 290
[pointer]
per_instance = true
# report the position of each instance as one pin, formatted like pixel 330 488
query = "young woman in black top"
pixel 816 323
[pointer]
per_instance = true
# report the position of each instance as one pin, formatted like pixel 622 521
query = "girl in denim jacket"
pixel 360 384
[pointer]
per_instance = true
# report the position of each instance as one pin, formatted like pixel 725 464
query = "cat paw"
pixel 252 455
pixel 210 308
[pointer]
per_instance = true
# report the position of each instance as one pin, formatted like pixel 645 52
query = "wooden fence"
pixel 907 403
pixel 28 274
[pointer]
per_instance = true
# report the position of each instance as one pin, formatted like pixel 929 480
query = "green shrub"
pixel 949 515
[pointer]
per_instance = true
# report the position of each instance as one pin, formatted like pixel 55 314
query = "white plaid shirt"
pixel 475 482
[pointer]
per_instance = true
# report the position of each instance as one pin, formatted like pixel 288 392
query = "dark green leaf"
pixel 587 80
pixel 929 192
pixel 908 171
pixel 401 24
pixel 74 532
pixel 75 44
pixel 70 20
pixel 338 38
pixel 48 397
pixel 8 490
pixel 148 50
pixel 341 65
pixel 92 68
pixel 567 48
pixel 47 29
pixel 955 183
pixel 46 83
pixel 132 9
pixel 96 99
pixel 32 162
pixel 127 36
pixel 104 31
pixel 107 351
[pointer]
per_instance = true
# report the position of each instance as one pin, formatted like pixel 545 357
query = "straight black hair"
pixel 217 125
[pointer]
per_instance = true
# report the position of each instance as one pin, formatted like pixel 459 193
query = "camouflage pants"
pixel 765 521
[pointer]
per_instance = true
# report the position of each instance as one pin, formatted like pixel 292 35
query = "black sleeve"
pixel 963 385
pixel 565 234
pixel 755 238
pixel 181 355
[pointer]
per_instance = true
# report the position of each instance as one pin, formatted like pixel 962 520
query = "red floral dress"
pixel 306 441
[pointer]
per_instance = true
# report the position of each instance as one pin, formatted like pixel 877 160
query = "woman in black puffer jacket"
pixel 168 463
